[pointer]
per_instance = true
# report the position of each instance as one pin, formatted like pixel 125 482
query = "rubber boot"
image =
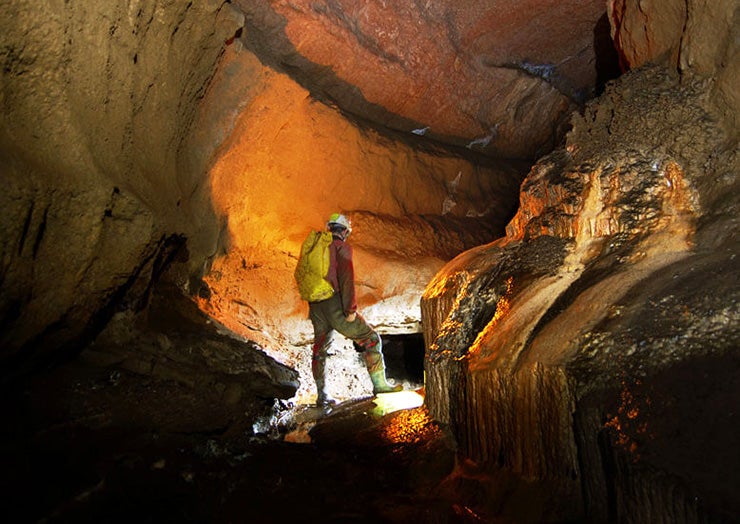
pixel 376 368
pixel 318 368
pixel 381 385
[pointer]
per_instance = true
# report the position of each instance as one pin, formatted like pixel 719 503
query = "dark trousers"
pixel 328 318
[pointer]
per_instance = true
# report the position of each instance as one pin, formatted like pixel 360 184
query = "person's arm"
pixel 346 279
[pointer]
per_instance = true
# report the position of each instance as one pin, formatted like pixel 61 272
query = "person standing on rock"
pixel 339 313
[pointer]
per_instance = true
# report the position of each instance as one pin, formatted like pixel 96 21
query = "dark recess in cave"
pixel 404 357
pixel 607 58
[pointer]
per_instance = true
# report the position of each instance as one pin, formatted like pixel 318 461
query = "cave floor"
pixel 82 444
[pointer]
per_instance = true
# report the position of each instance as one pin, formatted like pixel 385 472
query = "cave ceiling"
pixel 498 77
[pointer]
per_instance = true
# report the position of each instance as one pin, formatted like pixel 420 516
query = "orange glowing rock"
pixel 410 427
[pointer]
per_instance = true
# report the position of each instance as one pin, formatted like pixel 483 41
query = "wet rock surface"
pixel 584 365
pixel 168 417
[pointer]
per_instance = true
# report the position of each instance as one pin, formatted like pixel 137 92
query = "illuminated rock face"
pixel 190 149
pixel 123 140
pixel 288 164
pixel 499 77
pixel 429 76
pixel 553 352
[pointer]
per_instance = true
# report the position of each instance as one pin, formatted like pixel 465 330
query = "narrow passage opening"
pixel 404 358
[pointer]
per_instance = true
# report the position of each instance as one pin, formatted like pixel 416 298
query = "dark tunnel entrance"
pixel 404 358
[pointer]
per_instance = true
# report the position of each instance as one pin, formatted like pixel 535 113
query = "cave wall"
pixel 138 135
pixel 498 77
pixel 688 36
pixel 98 100
pixel 568 352
pixel 120 147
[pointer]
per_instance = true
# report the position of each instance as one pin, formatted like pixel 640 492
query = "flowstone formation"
pixel 564 353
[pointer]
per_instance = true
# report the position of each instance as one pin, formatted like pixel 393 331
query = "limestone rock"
pixel 550 349
pixel 689 36
pixel 500 78
pixel 175 341
pixel 96 101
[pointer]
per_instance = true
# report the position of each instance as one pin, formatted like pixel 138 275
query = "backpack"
pixel 313 266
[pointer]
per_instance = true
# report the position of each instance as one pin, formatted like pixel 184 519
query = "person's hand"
pixel 351 317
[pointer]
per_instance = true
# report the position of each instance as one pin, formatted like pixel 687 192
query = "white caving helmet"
pixel 338 219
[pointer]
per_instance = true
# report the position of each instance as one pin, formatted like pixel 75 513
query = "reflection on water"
pixel 412 424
